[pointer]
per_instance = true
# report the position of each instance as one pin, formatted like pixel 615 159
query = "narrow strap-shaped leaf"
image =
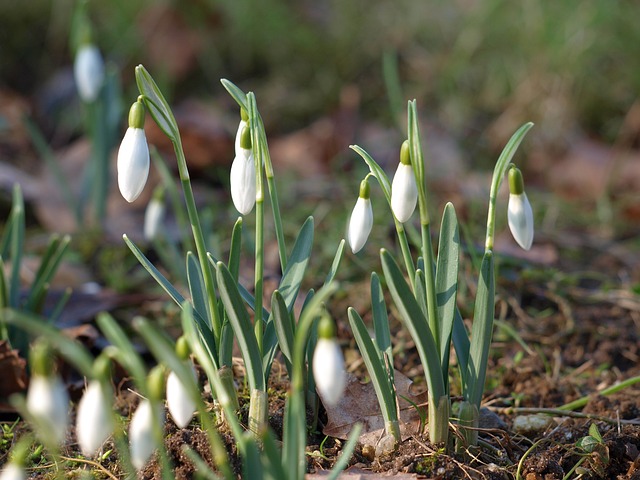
pixel 16 244
pixel 415 321
pixel 197 289
pixel 269 347
pixel 242 327
pixel 376 170
pixel 482 329
pixel 238 95
pixel 252 466
pixel 462 345
pixel 336 263
pixel 4 294
pixel 297 264
pixel 420 292
pixel 273 456
pixel 236 246
pixel 380 318
pixel 48 266
pixel 377 370
pixel 157 105
pixel 447 280
pixel 294 435
pixel 281 318
pixel 347 451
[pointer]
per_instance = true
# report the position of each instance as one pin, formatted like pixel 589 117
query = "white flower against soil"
pixel 328 370
pixel 133 163
pixel 13 471
pixel 360 224
pixel 94 422
pixel 48 404
pixel 141 437
pixel 179 403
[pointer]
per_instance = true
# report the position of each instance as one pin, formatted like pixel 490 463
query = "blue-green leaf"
pixel 283 323
pixel 336 263
pixel 197 288
pixel 157 105
pixel 297 264
pixel 380 318
pixel 238 95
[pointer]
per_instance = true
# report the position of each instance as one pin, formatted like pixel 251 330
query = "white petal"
pixel 404 193
pixel 141 440
pixel 328 371
pixel 94 422
pixel 180 405
pixel 243 181
pixel 133 163
pixel 153 216
pixel 88 70
pixel 48 404
pixel 520 216
pixel 360 224
pixel 13 471
pixel 239 135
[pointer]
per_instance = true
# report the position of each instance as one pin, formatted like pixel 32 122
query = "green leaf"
pixel 462 345
pixel 269 347
pixel 376 170
pixel 297 264
pixel 238 95
pixel 294 436
pixel 482 330
pixel 283 324
pixel 156 104
pixel 236 247
pixel 447 280
pixel 273 456
pixel 595 433
pixel 252 466
pixel 380 318
pixel 509 151
pixel 336 263
pixel 15 245
pixel 421 291
pixel 197 289
pixel 415 321
pixel 377 370
pixel 48 266
pixel 242 327
pixel 347 451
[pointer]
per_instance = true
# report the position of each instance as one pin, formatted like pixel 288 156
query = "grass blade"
pixel 297 264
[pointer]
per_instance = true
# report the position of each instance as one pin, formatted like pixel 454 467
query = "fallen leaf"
pixel 14 375
pixel 359 404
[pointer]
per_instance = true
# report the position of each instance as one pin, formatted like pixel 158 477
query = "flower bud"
pixel 404 190
pixel 141 438
pixel 13 471
pixel 328 364
pixel 88 70
pixel 48 404
pixel 133 155
pixel 179 402
pixel 154 214
pixel 94 422
pixel 361 219
pixel 519 213
pixel 243 175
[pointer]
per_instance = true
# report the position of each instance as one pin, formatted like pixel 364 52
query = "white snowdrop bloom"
pixel 519 212
pixel 243 176
pixel 88 70
pixel 48 404
pixel 328 370
pixel 153 217
pixel 94 422
pixel 404 193
pixel 520 217
pixel 133 155
pixel 179 403
pixel 141 438
pixel 13 471
pixel 361 220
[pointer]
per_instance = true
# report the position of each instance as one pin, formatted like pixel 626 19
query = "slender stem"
pixel 406 254
pixel 430 286
pixel 273 196
pixel 198 236
pixel 581 402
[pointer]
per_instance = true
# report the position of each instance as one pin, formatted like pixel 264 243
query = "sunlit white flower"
pixel 243 176
pixel 88 70
pixel 133 155
pixel 404 192
pixel 181 406
pixel 141 439
pixel 153 217
pixel 48 404
pixel 94 422
pixel 328 370
pixel 519 213
pixel 13 471
pixel 361 220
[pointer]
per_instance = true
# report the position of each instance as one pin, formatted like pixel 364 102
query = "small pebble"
pixel 369 452
pixel 531 424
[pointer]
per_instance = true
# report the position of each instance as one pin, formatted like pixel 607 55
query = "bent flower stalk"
pixel 133 155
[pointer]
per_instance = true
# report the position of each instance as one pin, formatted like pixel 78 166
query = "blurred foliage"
pixel 473 64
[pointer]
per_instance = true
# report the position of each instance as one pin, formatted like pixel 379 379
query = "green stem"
pixel 273 196
pixel 198 236
pixel 430 286
pixel 406 254
pixel 581 402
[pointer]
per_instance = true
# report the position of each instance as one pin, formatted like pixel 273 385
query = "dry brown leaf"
pixel 14 375
pixel 359 404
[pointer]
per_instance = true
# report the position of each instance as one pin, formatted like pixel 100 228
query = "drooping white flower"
pixel 141 438
pixel 153 217
pixel 404 192
pixel 94 422
pixel 180 404
pixel 13 471
pixel 328 364
pixel 133 155
pixel 48 404
pixel 88 70
pixel 519 212
pixel 243 175
pixel 361 220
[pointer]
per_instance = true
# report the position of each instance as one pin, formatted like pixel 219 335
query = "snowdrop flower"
pixel 328 364
pixel 141 437
pixel 361 219
pixel 404 190
pixel 179 402
pixel 47 398
pixel 519 213
pixel 243 175
pixel 88 70
pixel 13 471
pixel 154 214
pixel 133 155
pixel 94 422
